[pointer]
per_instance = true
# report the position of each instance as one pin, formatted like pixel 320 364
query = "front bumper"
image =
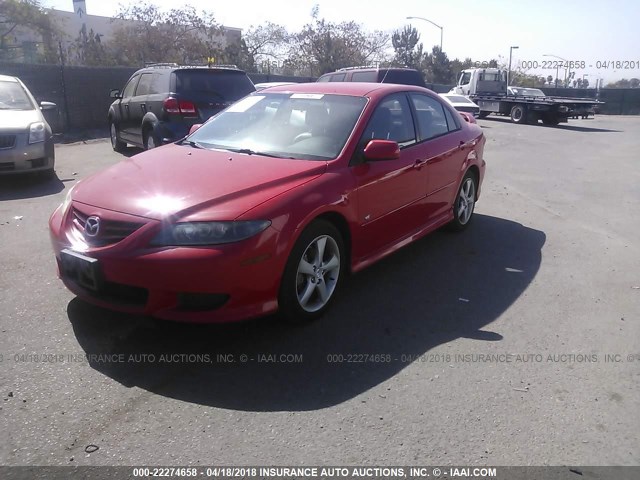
pixel 23 157
pixel 221 283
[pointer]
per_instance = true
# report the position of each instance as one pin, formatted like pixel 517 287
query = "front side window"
pixel 304 126
pixel 465 77
pixel 130 87
pixel 430 114
pixel 391 120
pixel 13 97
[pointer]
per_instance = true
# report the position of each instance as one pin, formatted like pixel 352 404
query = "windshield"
pixel 307 126
pixel 528 92
pixel 13 97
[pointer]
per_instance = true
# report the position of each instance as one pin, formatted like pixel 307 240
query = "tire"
pixel 149 140
pixel 300 298
pixel 117 144
pixel 465 203
pixel 518 114
pixel 484 114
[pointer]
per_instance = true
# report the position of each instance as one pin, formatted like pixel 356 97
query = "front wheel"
pixel 116 143
pixel 465 203
pixel 313 273
pixel 518 114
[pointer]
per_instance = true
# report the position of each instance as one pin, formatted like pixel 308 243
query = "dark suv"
pixel 160 103
pixel 403 76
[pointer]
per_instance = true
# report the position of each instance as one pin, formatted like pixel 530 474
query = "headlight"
pixel 67 201
pixel 37 132
pixel 208 233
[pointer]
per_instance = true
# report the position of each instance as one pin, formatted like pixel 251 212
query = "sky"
pixel 594 31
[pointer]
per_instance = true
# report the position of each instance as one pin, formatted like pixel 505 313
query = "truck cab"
pixel 478 81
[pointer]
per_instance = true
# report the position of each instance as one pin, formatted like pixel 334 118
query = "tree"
pixel 550 79
pixel 89 50
pixel 323 46
pixel 408 52
pixel 180 35
pixel 624 83
pixel 21 15
pixel 437 67
pixel 266 45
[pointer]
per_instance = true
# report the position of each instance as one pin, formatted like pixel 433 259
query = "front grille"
pixel 5 166
pixel 110 231
pixel 7 141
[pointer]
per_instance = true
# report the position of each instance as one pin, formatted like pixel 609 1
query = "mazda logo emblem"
pixel 92 226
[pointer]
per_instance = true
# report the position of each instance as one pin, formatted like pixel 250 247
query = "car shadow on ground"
pixel 436 290
pixel 563 126
pixel 30 185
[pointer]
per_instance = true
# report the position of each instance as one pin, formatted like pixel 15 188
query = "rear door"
pixel 209 91
pixel 441 146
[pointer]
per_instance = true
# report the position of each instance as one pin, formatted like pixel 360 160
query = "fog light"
pixel 201 302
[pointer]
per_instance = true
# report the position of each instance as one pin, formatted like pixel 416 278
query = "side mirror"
pixel 115 93
pixel 194 128
pixel 378 150
pixel 47 106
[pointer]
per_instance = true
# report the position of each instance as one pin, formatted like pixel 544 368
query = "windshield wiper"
pixel 248 151
pixel 193 144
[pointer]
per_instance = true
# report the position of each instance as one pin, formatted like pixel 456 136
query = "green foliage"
pixel 18 16
pixel 408 52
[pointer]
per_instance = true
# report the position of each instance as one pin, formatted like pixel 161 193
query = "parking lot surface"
pixel 513 343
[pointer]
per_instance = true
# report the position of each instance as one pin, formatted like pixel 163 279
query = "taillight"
pixel 184 107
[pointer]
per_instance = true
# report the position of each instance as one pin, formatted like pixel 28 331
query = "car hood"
pixel 193 184
pixel 18 119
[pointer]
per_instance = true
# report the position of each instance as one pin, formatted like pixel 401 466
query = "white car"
pixel 461 103
pixel 526 92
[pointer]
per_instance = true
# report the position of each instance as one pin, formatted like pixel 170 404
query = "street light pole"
pixel 432 23
pixel 509 70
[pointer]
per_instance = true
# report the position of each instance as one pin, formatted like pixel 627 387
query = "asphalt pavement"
pixel 513 343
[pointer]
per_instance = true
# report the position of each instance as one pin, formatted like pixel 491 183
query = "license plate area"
pixel 83 270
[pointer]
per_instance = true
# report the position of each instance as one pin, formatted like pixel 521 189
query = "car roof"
pixel 359 89
pixel 6 78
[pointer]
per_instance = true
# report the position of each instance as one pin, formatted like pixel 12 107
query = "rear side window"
pixel 225 85
pixel 144 84
pixel 364 76
pixel 453 121
pixel 432 121
pixel 337 78
pixel 158 84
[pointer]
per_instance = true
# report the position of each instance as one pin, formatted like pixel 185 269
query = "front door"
pixel 390 194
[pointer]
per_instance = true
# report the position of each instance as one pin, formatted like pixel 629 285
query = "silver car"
pixel 26 142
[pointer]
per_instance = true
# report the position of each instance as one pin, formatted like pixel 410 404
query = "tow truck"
pixel 487 87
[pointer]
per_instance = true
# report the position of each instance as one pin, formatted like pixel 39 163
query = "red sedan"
pixel 270 203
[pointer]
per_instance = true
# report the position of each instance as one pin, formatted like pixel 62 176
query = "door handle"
pixel 420 163
pixel 143 107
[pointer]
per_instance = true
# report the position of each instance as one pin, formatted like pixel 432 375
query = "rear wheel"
pixel 116 143
pixel 465 203
pixel 518 114
pixel 313 273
